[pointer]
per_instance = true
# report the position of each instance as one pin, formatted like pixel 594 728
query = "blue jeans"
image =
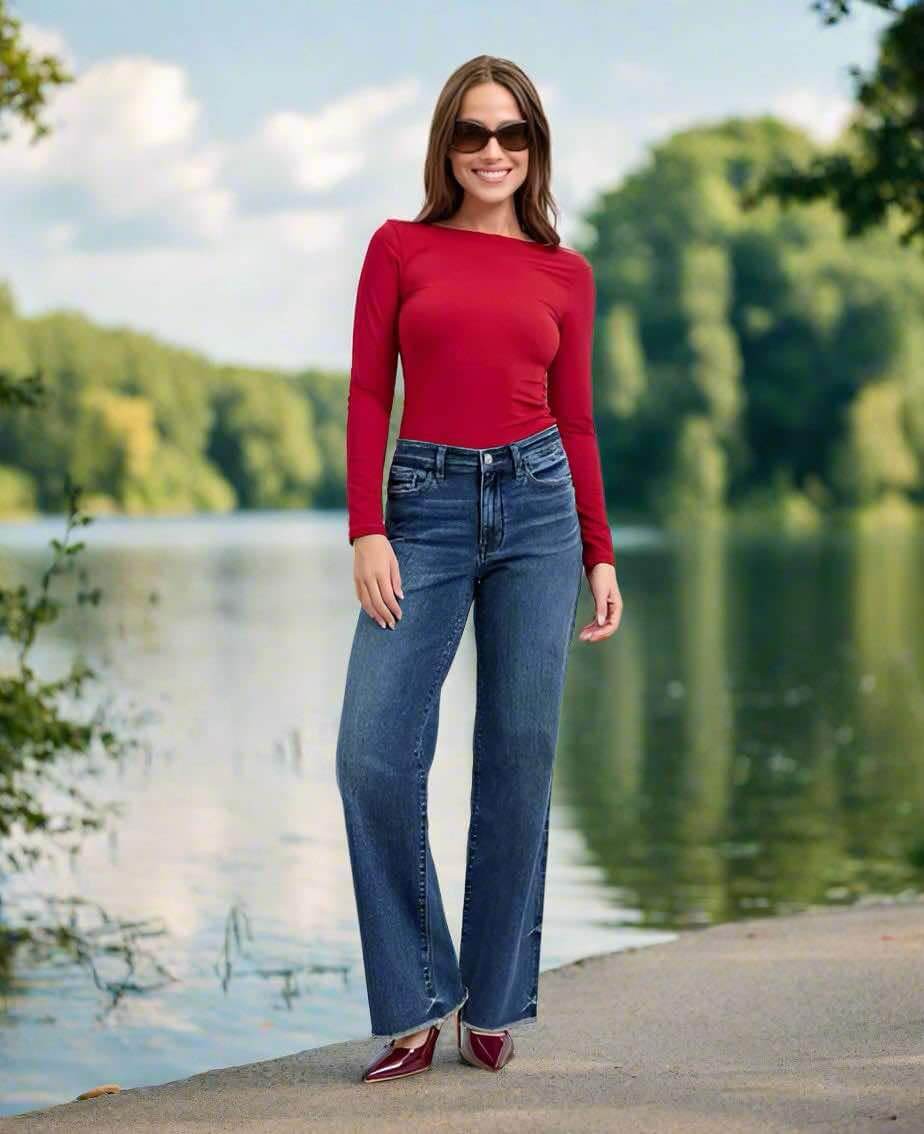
pixel 497 527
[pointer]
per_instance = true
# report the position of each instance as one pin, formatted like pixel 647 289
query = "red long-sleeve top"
pixel 495 337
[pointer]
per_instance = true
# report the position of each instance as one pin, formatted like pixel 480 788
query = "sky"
pixel 217 168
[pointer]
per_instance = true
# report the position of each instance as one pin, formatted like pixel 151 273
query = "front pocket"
pixel 551 468
pixel 405 480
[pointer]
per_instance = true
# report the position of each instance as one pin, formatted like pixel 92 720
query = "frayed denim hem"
pixel 420 1027
pixel 514 1025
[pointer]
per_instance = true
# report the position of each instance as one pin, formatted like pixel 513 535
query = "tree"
pixel 732 345
pixel 878 169
pixel 25 77
pixel 38 729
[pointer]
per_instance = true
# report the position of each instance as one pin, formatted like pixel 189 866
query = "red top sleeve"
pixel 570 395
pixel 372 381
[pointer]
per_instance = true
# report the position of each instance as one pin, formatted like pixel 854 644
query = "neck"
pixel 500 219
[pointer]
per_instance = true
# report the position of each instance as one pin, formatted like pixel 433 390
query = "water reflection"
pixel 749 741
pixel 753 741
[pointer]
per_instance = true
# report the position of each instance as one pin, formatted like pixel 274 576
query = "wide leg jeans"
pixel 497 528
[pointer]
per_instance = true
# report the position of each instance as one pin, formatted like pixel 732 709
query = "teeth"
pixel 491 174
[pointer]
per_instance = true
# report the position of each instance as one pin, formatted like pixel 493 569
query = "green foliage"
pixel 734 343
pixel 260 440
pixel 38 734
pixel 875 177
pixel 832 11
pixel 17 493
pixel 25 77
pixel 148 428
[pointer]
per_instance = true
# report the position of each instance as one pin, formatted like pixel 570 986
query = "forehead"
pixel 489 103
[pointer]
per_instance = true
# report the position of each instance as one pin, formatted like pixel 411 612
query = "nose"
pixel 493 150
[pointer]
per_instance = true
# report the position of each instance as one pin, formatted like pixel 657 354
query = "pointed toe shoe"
pixel 488 1050
pixel 395 1061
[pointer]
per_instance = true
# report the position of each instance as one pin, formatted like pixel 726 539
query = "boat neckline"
pixel 474 232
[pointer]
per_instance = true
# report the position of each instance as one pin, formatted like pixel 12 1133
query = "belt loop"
pixel 440 461
pixel 517 459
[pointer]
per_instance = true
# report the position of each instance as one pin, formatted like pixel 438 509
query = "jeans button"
pixel 488 458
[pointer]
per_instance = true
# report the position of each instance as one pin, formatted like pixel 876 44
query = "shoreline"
pixel 810 1020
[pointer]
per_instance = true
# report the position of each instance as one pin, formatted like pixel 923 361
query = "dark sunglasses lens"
pixel 513 137
pixel 469 137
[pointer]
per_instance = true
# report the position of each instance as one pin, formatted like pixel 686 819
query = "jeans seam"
pixel 423 888
pixel 532 473
pixel 574 610
pixel 475 812
pixel 540 899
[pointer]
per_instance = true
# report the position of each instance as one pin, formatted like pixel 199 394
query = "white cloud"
pixel 590 156
pixel 131 212
pixel 43 40
pixel 125 134
pixel 822 115
pixel 265 295
pixel 61 235
pixel 819 114
pixel 314 153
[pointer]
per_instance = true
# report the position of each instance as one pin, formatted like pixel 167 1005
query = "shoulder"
pixel 386 239
pixel 576 261
pixel 582 288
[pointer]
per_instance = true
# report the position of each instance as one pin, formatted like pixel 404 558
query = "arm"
pixel 372 381
pixel 571 403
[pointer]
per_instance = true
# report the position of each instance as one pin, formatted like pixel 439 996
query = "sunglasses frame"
pixel 489 134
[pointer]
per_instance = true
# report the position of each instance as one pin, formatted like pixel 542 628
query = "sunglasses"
pixel 470 137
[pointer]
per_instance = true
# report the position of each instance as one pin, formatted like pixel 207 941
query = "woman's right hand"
pixel 377 578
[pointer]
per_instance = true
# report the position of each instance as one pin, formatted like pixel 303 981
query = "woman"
pixel 494 499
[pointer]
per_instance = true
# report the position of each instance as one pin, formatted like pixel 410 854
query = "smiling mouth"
pixel 491 174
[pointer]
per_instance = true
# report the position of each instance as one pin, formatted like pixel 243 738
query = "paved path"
pixel 806 1023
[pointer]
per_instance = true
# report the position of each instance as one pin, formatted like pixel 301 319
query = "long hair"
pixel 533 200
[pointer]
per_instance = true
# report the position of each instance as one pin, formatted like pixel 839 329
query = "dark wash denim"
pixel 496 527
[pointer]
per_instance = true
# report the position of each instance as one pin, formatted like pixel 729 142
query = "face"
pixel 502 171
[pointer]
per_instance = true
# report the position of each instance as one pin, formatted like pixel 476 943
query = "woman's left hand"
pixel 607 601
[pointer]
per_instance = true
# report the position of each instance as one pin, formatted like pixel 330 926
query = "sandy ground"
pixel 807 1023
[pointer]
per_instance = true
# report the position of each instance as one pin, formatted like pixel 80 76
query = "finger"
pixel 379 603
pixel 369 606
pixel 396 578
pixel 387 591
pixel 612 620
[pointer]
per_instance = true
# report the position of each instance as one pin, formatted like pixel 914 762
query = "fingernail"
pixel 599 619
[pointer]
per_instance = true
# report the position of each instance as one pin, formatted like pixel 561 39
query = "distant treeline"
pixel 145 427
pixel 743 358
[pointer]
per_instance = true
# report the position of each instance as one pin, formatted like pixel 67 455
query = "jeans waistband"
pixel 438 457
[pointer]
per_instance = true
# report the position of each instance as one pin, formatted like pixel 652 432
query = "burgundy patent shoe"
pixel 488 1050
pixel 395 1061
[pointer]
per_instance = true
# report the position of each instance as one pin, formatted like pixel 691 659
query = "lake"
pixel 750 742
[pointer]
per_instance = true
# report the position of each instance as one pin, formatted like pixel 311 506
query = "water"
pixel 749 742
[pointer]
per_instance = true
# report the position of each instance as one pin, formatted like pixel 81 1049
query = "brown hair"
pixel 533 201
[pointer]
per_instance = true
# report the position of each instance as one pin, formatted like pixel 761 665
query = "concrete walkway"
pixel 806 1023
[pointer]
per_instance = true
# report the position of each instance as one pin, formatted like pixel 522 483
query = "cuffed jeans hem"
pixel 420 1027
